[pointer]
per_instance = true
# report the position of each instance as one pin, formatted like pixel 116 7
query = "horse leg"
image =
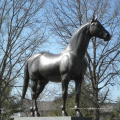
pixel 65 82
pixel 41 86
pixel 31 112
pixel 77 93
pixel 34 97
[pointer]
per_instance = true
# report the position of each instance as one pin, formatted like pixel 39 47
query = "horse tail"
pixel 26 80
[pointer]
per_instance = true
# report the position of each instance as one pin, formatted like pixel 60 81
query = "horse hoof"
pixel 37 114
pixel 31 112
pixel 31 115
pixel 64 113
pixel 78 114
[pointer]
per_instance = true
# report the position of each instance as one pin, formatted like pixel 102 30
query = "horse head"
pixel 97 30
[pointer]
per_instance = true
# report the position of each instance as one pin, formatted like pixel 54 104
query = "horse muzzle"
pixel 107 37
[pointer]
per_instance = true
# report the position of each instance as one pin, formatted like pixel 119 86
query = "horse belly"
pixel 50 72
pixel 51 75
pixel 54 78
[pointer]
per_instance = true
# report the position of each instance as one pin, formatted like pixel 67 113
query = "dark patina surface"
pixel 70 64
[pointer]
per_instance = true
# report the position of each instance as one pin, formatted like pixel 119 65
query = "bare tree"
pixel 103 58
pixel 21 33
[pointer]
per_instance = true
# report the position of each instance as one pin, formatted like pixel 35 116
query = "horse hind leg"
pixel 34 109
pixel 31 112
pixel 41 86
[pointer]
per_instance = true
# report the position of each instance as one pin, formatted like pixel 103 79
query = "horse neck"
pixel 79 41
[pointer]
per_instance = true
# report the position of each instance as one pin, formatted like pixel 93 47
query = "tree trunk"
pixel 0 102
pixel 96 105
pixel 0 92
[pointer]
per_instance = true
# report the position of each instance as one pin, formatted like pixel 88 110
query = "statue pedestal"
pixel 52 118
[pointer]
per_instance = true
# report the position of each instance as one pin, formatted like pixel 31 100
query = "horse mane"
pixel 75 37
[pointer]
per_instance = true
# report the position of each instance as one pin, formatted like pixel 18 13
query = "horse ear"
pixel 93 17
pixel 96 18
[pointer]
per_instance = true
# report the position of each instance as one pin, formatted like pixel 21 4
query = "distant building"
pixel 47 107
pixel 44 107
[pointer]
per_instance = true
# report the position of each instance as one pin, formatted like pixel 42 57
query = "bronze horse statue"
pixel 70 64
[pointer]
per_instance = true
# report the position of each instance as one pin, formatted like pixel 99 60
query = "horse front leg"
pixel 65 82
pixel 77 97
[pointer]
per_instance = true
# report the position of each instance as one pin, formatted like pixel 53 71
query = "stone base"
pixel 52 118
